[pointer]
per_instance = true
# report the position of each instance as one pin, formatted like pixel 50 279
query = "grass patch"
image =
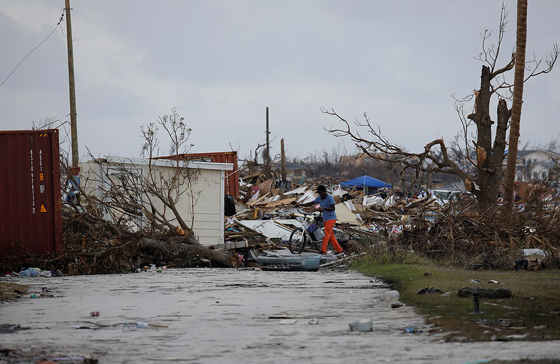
pixel 10 291
pixel 532 313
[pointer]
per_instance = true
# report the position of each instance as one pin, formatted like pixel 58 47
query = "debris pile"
pixel 453 231
pixel 268 211
pixel 457 233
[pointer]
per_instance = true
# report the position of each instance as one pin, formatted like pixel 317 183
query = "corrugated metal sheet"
pixel 30 201
pixel 232 178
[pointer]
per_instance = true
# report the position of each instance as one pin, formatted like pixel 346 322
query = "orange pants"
pixel 329 236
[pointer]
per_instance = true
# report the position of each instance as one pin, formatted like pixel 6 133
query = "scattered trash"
pixel 35 272
pixel 396 305
pixel 475 281
pixel 94 313
pixel 287 322
pixel 529 264
pixel 535 251
pixel 8 328
pixel 430 290
pixel 493 282
pixel 142 324
pixel 391 296
pixel 411 330
pixel 363 325
pixel 314 321
pixel 137 325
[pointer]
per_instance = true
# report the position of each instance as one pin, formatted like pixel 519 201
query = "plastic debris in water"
pixel 412 330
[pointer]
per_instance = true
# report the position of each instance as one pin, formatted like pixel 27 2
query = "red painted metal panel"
pixel 232 177
pixel 30 201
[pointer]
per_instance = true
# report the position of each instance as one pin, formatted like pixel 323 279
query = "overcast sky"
pixel 221 63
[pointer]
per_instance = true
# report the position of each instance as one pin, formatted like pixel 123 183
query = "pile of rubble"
pixel 268 212
pixel 426 223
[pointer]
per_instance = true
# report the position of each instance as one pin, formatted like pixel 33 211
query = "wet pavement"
pixel 232 316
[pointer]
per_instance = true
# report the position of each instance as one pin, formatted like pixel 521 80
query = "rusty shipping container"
pixel 30 197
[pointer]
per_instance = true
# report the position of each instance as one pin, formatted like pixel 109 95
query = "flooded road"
pixel 232 316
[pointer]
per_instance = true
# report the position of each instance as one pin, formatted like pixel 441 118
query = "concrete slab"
pixel 233 316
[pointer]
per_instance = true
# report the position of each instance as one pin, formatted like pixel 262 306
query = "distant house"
pixel 297 173
pixel 536 165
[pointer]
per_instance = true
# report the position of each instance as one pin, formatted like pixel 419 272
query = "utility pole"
pixel 283 159
pixel 267 156
pixel 73 121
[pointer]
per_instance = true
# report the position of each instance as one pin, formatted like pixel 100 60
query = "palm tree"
pixel 517 102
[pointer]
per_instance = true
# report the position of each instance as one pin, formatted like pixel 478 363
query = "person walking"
pixel 326 206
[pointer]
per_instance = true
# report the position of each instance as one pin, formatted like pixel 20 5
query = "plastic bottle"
pixel 412 330
pixel 141 324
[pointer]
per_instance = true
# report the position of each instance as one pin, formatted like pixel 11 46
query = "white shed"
pixel 201 205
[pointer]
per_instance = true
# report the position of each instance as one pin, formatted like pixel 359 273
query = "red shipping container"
pixel 30 196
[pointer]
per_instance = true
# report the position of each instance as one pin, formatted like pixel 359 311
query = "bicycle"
pixel 310 234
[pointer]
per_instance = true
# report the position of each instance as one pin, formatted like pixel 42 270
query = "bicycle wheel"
pixel 298 240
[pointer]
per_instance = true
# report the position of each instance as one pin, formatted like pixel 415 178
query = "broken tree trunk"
pixel 181 246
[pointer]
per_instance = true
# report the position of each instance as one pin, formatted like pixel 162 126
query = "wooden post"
pixel 267 156
pixel 73 121
pixel 283 159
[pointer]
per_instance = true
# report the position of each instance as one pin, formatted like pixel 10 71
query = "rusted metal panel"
pixel 30 200
pixel 232 177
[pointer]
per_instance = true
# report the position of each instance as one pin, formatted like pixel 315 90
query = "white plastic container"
pixel 364 325
pixel 391 296
pixel 319 234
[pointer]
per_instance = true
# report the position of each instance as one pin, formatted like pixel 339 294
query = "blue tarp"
pixel 365 181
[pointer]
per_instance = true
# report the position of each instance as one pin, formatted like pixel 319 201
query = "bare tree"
pixel 141 201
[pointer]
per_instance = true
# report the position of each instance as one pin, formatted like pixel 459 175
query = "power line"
pixel 20 62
